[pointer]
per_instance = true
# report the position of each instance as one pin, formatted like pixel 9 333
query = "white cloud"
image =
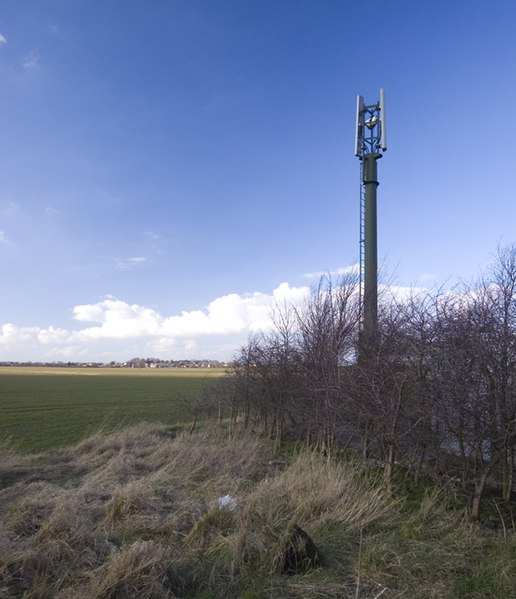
pixel 229 314
pixel 112 329
pixel 31 61
pixel 9 331
pixel 4 240
pixel 285 293
pixel 427 279
pixel 118 320
pixel 399 293
pixel 131 329
pixel 3 40
pixel 131 262
pixel 53 335
pixel 9 208
pixel 352 269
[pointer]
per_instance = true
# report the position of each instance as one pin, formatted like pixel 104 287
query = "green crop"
pixel 42 408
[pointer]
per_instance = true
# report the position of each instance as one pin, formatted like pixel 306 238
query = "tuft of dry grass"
pixel 136 570
pixel 315 490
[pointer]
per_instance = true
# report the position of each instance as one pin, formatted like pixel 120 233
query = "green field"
pixel 42 408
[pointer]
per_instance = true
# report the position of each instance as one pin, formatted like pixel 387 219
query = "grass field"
pixel 42 408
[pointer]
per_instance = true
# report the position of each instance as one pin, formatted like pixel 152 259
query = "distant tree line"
pixel 435 390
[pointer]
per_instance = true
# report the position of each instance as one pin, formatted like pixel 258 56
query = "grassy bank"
pixel 137 515
pixel 43 408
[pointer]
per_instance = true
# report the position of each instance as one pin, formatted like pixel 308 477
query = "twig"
pixel 501 518
pixel 357 591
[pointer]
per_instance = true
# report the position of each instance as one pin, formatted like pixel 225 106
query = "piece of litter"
pixel 227 502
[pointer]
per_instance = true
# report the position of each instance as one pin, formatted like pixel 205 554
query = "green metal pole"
pixel 370 179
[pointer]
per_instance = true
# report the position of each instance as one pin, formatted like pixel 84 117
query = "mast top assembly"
pixel 371 132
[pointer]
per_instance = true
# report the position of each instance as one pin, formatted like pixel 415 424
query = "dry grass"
pixel 136 570
pixel 136 515
pixel 314 490
pixel 102 519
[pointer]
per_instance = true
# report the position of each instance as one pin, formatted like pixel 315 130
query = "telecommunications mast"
pixel 370 143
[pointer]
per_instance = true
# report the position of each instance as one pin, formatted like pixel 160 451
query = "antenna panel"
pixel 383 128
pixel 359 131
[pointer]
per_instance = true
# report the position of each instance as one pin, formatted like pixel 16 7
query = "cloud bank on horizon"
pixel 119 330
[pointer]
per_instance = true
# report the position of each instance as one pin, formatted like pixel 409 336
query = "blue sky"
pixel 171 167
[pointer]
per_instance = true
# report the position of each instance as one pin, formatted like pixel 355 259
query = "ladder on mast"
pixel 361 271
